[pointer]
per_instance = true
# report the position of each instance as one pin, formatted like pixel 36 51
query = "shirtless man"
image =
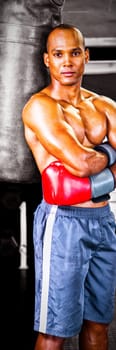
pixel 74 228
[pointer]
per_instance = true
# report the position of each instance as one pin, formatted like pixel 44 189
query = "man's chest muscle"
pixel 89 125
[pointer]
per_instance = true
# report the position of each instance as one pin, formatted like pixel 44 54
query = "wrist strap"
pixel 102 183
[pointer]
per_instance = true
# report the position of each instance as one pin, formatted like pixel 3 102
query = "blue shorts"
pixel 75 267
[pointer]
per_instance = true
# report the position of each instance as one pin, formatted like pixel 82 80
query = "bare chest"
pixel 89 125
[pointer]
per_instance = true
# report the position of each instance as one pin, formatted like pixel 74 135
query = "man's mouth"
pixel 67 73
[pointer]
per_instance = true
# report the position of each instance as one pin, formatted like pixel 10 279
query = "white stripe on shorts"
pixel 46 268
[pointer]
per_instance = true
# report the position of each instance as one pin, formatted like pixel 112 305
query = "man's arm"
pixel 107 106
pixel 45 118
pixel 62 188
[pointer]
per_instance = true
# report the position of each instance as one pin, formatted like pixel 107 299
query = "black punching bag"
pixel 23 27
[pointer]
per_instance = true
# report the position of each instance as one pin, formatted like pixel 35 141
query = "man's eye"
pixel 57 54
pixel 75 53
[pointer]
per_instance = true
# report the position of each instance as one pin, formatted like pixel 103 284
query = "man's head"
pixel 64 27
pixel 66 54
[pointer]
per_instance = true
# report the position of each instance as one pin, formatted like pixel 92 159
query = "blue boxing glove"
pixel 106 148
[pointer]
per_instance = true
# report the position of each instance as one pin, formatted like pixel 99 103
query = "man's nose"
pixel 67 60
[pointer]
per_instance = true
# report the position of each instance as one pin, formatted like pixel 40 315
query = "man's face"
pixel 66 56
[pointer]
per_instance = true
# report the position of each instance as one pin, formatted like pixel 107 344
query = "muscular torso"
pixel 88 122
pixel 89 125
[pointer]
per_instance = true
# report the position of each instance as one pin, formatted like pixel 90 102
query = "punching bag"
pixel 24 25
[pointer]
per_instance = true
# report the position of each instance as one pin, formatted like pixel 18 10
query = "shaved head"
pixel 63 27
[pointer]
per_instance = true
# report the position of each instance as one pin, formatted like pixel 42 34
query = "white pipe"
pixel 100 67
pixel 23 236
pixel 101 42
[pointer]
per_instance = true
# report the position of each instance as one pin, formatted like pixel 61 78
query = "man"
pixel 71 133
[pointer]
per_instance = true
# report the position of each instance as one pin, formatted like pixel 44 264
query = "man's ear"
pixel 46 59
pixel 87 55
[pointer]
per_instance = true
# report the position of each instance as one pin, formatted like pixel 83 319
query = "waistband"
pixel 76 211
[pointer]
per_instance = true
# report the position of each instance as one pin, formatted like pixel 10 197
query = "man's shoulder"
pixel 41 99
pixel 100 100
pixel 104 103
pixel 92 94
pixel 40 104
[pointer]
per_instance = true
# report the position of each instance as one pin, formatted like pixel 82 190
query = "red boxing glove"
pixel 62 188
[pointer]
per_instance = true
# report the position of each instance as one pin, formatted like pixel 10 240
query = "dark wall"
pixel 94 18
pixel 97 20
pixel 103 84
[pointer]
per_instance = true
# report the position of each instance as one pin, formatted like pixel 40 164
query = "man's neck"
pixel 69 94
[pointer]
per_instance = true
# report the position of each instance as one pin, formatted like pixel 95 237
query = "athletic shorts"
pixel 75 267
